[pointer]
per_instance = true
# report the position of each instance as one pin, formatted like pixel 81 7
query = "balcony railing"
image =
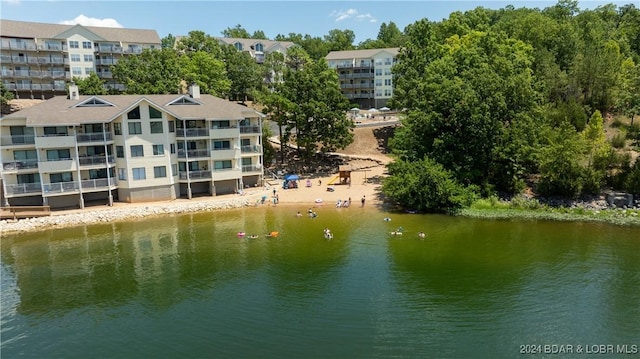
pixel 19 165
pixel 95 160
pixel 249 129
pixel 193 153
pixel 18 140
pixel 193 175
pixel 23 188
pixel 251 168
pixel 93 137
pixel 98 183
pixel 61 187
pixel 192 132
pixel 251 149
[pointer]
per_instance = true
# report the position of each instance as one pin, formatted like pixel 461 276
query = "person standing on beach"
pixel 362 201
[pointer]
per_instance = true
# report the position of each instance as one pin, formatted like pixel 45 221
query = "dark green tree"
pixel 243 72
pixel 5 94
pixel 425 186
pixel 168 42
pixel 90 85
pixel 236 32
pixel 340 40
pixel 150 72
pixel 199 41
pixel 208 72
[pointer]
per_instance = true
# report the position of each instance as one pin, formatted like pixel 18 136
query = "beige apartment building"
pixel 37 60
pixel 365 75
pixel 68 151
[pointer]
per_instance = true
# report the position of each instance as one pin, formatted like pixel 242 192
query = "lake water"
pixel 188 287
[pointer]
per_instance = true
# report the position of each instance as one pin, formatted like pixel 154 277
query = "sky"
pixel 315 18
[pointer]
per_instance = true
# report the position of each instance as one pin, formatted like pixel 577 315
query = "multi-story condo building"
pixel 365 75
pixel 257 48
pixel 66 151
pixel 38 59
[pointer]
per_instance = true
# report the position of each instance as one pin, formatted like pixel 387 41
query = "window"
pixel 88 70
pixel 238 46
pixel 138 173
pixel 158 150
pixel 221 165
pixel 137 151
pixel 156 126
pixel 61 177
pixel 134 114
pixel 135 128
pixel 160 171
pixel 122 174
pixel 174 169
pixel 259 47
pixel 173 148
pixel 55 131
pixel 220 124
pixel 75 57
pixel 172 126
pixel 58 155
pixel 247 161
pixel 86 45
pixel 154 112
pixel 88 58
pixel 378 72
pixel 117 128
pixel 120 151
pixel 222 145
pixel 387 82
pixel 74 44
pixel 387 72
pixel 28 178
pixel 378 82
pixel 76 70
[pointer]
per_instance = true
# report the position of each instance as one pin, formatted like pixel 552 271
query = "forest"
pixel 492 101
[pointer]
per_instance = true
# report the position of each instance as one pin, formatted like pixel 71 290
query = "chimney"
pixel 74 94
pixel 194 90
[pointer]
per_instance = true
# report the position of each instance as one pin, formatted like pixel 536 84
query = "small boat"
pixel 241 234
pixel 396 233
pixel 387 219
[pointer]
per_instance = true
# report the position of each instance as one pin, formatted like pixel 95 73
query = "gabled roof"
pixel 248 43
pixel 360 54
pixel 60 110
pixel 33 30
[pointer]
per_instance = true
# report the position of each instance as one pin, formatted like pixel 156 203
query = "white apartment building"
pixel 257 48
pixel 67 151
pixel 365 75
pixel 38 59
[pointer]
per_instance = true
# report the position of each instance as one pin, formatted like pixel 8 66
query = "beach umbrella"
pixel 373 109
pixel 291 177
pixel 385 109
pixel 355 109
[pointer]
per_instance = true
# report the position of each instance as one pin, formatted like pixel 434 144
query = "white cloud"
pixel 92 21
pixel 341 15
pixel 12 2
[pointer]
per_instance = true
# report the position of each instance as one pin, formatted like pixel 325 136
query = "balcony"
pixel 195 175
pixel 251 149
pixel 57 165
pixel 193 153
pixel 224 132
pixel 222 174
pixel 52 47
pixel 224 153
pixel 249 129
pixel 192 132
pixel 19 165
pixel 61 187
pixel 94 137
pixel 95 160
pixel 251 168
pixel 17 140
pixel 24 188
pixel 98 184
pixel 59 141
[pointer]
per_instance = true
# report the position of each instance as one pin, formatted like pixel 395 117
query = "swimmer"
pixel 421 235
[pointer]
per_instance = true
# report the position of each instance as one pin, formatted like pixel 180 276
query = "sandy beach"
pixel 365 182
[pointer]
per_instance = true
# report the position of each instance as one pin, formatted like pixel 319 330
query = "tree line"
pixel 493 100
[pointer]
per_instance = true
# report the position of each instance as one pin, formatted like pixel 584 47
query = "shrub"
pixel 619 139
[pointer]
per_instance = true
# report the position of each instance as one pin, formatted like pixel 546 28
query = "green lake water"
pixel 188 287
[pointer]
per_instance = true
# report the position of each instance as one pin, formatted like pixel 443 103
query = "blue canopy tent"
pixel 290 181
